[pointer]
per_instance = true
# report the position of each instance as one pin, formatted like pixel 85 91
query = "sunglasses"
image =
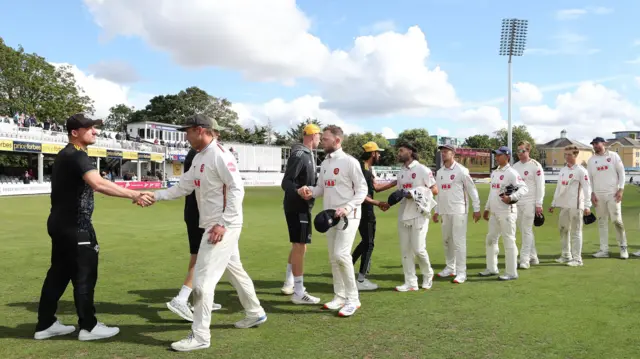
pixel 522 151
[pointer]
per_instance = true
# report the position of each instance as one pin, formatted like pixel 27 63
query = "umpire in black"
pixel 300 171
pixel 74 246
pixel 370 157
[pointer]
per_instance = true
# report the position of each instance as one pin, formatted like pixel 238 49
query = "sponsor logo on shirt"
pixel 202 168
pixel 526 173
pixel 336 171
pixel 413 175
pixel 452 177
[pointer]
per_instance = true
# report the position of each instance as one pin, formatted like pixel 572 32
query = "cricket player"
pixel 573 197
pixel 367 229
pixel 455 185
pixel 219 191
pixel 502 215
pixel 606 172
pixel 530 205
pixel 413 225
pixel 344 188
pixel 301 171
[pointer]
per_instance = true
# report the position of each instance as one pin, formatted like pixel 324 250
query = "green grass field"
pixel 552 311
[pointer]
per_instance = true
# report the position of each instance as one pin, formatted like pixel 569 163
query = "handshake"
pixel 144 199
pixel 305 192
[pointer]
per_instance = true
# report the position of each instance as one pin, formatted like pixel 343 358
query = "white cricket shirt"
pixel 455 186
pixel 533 175
pixel 500 179
pixel 342 183
pixel 219 188
pixel 413 176
pixel 573 189
pixel 606 172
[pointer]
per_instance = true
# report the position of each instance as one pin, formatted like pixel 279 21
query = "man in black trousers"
pixel 74 246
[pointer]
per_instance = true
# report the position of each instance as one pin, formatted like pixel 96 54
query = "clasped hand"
pixel 305 192
pixel 145 199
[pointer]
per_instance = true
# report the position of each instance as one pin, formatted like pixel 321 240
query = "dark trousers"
pixel 74 257
pixel 364 249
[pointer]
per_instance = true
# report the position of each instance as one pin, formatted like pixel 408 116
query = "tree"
pixel 270 132
pixel 353 145
pixel 30 84
pixel 294 134
pixel 119 116
pixel 519 133
pixel 480 141
pixel 420 138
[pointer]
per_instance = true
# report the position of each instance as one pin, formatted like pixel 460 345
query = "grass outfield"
pixel 552 311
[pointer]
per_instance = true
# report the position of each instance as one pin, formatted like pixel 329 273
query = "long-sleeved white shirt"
pixel 500 179
pixel 218 185
pixel 413 176
pixel 455 186
pixel 606 172
pixel 573 189
pixel 342 183
pixel 533 175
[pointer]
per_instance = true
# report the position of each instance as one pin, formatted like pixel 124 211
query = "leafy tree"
pixel 280 139
pixel 353 146
pixel 520 133
pixel 119 116
pixel 480 141
pixel 420 138
pixel 294 134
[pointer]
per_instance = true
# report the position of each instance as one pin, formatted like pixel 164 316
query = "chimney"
pixel 563 134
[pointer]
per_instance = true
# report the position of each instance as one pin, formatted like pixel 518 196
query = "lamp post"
pixel 512 43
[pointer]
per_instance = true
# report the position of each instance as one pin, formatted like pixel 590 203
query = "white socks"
pixel 298 286
pixel 183 296
pixel 288 280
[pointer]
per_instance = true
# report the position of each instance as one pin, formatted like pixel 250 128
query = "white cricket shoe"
pixel 447 273
pixel 565 260
pixel 534 261
pixel 427 282
pixel 306 298
pixel 100 331
pixel 524 265
pixel 54 330
pixel 601 254
pixel 181 308
pixel 624 253
pixel 366 285
pixel 249 322
pixel 188 344
pixel 636 254
pixel 335 304
pixel 349 309
pixel 487 273
pixel 575 263
pixel 508 277
pixel 406 288
pixel 460 278
pixel 287 289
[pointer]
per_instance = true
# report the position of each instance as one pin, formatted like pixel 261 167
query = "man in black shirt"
pixel 74 252
pixel 179 304
pixel 367 227
pixel 300 172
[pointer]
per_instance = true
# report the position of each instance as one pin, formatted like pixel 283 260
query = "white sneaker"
pixel 624 253
pixel 565 260
pixel 306 298
pixel 181 308
pixel 188 344
pixel 287 289
pixel 406 288
pixel 460 278
pixel 249 322
pixel 487 273
pixel 336 304
pixel 446 273
pixel 100 331
pixel 524 265
pixel 366 285
pixel 636 254
pixel 427 283
pixel 54 330
pixel 601 254
pixel 508 277
pixel 534 261
pixel 349 309
pixel 575 263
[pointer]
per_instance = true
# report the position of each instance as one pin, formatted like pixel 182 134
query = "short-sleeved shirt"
pixel 191 213
pixel 367 209
pixel 71 197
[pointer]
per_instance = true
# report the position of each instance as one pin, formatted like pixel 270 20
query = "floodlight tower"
pixel 512 43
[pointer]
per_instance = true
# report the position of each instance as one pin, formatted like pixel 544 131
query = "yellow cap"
pixel 311 129
pixel 371 147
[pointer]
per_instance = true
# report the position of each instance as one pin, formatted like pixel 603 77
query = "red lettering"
pixel 495 185
pixel 407 186
pixel 196 183
pixel 329 183
pixel 446 186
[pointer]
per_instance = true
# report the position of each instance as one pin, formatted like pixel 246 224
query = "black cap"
pixel 538 220
pixel 396 196
pixel 201 121
pixel 597 139
pixel 79 121
pixel 589 219
pixel 327 219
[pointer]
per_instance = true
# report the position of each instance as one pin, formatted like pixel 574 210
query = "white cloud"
pixel 572 14
pixel 388 132
pixel 116 71
pixel 381 74
pixel 378 27
pixel 488 116
pixel 526 93
pixel 442 132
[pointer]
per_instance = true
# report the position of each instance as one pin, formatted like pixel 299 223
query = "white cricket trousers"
pixel 339 243
pixel 570 223
pixel 413 243
pixel 454 238
pixel 211 263
pixel 502 225
pixel 526 215
pixel 606 209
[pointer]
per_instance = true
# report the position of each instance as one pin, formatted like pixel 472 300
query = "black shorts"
pixel 299 225
pixel 195 234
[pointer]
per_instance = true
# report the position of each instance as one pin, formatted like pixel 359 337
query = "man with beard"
pixel 367 229
pixel 344 188
pixel 607 180
pixel 454 186
pixel 413 225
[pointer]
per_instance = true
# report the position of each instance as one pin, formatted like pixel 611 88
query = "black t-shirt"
pixel 191 213
pixel 71 197
pixel 367 209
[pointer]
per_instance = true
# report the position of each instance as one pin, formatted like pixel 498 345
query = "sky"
pixel 380 66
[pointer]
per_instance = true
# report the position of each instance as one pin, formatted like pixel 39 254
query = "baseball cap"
pixel 538 220
pixel 589 219
pixel 201 121
pixel 396 196
pixel 79 121
pixel 327 219
pixel 597 139
pixel 311 129
pixel 372 147
pixel 447 146
pixel 504 150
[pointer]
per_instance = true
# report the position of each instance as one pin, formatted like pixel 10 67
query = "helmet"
pixel 538 220
pixel 589 219
pixel 508 191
